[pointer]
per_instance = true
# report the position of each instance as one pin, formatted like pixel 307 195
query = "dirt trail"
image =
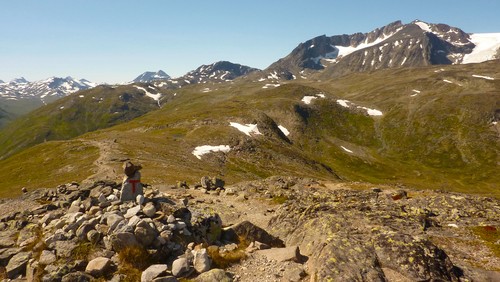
pixel 104 167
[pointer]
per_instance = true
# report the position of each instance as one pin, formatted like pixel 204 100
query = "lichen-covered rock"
pixel 17 264
pixel 214 275
pixel 153 271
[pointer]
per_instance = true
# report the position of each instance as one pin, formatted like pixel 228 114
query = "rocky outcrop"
pixel 316 233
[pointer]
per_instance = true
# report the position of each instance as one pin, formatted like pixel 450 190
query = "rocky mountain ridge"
pixel 394 45
pixel 218 72
pixel 277 229
pixel 46 90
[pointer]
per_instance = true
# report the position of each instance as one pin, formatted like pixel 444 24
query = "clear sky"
pixel 116 40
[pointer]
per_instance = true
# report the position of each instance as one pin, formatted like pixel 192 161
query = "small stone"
pixel 132 211
pixel 139 199
pixel 149 210
pixel 171 219
pixel 93 236
pixel 201 261
pixel 180 267
pixel 24 190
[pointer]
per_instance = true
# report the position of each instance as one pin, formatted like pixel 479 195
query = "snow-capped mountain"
pixel 150 76
pixel 222 71
pixel 46 90
pixel 217 72
pixel 395 45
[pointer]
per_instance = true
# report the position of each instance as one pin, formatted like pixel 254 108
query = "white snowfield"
pixel 248 129
pixel 370 112
pixel 155 97
pixel 205 149
pixel 487 45
pixel 308 99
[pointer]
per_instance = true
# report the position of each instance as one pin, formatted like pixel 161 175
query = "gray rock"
pixel 133 221
pixel 171 219
pixel 6 242
pixel 47 257
pixel 93 236
pixel 131 187
pixel 149 209
pixel 132 211
pixel 112 220
pixel 17 264
pixel 201 261
pixel 250 232
pixel 78 276
pixel 64 248
pixel 144 233
pixel 82 231
pixel 98 266
pixel 282 254
pixel 153 272
pixel 294 272
pixel 216 274
pixel 180 267
pixel 119 241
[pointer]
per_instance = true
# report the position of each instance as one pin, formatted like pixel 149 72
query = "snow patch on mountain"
pixel 248 129
pixel 487 46
pixel 482 76
pixel 205 149
pixel 153 96
pixel 284 130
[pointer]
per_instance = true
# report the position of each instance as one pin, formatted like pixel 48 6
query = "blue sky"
pixel 114 41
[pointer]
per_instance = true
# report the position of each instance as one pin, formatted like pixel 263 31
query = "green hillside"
pixel 435 131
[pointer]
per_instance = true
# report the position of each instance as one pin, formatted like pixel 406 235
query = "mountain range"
pixel 326 110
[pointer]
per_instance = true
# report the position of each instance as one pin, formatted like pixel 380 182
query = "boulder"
pixel 144 233
pixel 131 188
pixel 201 261
pixel 216 274
pixel 47 257
pixel 119 241
pixel 17 264
pixel 98 266
pixel 181 267
pixel 282 254
pixel 153 271
pixel 249 232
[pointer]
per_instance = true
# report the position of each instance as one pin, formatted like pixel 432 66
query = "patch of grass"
pixel 490 235
pixel 133 260
pixel 228 258
pixel 279 199
pixel 46 165
pixel 82 251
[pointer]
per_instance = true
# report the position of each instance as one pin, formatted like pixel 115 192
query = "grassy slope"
pixel 72 116
pixel 439 139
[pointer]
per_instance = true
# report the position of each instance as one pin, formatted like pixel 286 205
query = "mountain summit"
pixel 151 76
pixel 394 45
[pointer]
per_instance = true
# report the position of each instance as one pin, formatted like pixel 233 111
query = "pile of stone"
pixel 82 233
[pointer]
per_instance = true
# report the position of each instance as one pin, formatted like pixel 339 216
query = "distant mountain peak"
pixel 45 90
pixel 418 43
pixel 150 76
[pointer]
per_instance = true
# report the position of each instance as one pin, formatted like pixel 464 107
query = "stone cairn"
pixel 131 186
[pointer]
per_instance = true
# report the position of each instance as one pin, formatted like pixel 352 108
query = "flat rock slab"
pixel 153 272
pixel 282 254
pixel 17 264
